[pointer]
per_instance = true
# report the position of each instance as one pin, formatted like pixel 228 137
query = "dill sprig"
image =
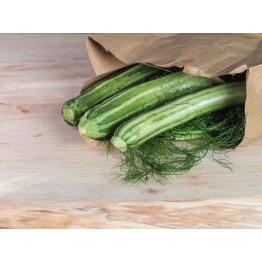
pixel 163 157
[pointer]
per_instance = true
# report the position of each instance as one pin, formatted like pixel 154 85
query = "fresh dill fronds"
pixel 163 157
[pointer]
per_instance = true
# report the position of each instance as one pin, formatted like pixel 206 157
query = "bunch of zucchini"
pixel 142 108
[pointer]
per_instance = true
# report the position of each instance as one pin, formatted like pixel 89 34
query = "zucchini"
pixel 103 119
pixel 74 108
pixel 142 128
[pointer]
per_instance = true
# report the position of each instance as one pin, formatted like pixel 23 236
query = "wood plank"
pixel 215 213
pixel 45 165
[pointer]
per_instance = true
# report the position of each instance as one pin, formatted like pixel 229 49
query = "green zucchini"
pixel 142 128
pixel 74 108
pixel 103 119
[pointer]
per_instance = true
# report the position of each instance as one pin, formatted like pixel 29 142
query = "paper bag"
pixel 209 55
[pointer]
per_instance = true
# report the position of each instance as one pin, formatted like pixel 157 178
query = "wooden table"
pixel 49 178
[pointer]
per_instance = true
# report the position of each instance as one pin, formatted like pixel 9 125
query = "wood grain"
pixel 49 178
pixel 222 213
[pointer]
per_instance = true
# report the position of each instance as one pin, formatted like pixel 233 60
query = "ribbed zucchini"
pixel 74 108
pixel 103 119
pixel 140 129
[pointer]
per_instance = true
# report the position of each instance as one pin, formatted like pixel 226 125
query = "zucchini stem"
pixel 119 143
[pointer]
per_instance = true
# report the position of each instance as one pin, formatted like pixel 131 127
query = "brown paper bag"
pixel 209 55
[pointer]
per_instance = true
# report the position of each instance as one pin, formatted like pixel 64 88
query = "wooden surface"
pixel 49 178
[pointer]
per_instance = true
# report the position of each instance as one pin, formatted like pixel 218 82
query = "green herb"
pixel 162 157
